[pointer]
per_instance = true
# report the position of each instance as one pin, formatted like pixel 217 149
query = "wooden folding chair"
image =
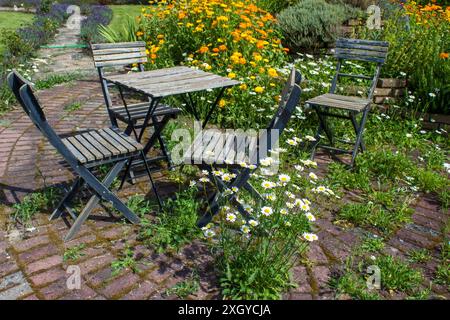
pixel 83 152
pixel 133 115
pixel 348 49
pixel 234 145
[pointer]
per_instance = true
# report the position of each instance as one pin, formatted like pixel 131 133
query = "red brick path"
pixel 33 268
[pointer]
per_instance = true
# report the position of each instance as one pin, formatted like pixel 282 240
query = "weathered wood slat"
pixel 105 152
pixel 143 81
pixel 215 142
pixel 117 50
pixel 338 101
pixel 360 58
pixel 100 46
pixel 110 147
pixel 116 144
pixel 193 87
pixel 119 62
pixel 75 152
pixel 126 141
pixel 97 154
pixel 190 81
pixel 120 56
pixel 363 53
pixel 345 45
pixel 363 42
pixel 85 152
pixel 150 74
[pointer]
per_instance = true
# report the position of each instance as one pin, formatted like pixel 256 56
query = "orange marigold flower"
pixel 223 47
pixel 444 55
pixel 203 49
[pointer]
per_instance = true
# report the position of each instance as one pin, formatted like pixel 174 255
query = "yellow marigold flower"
pixel 222 103
pixel 272 72
pixel 139 33
pixel 259 89
pixel 232 75
pixel 242 61
pixel 243 86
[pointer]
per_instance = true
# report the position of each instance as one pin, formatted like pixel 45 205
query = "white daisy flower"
pixel 231 217
pixel 266 211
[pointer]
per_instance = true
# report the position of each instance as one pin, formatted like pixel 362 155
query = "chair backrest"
pixel 23 91
pixel 118 54
pixel 115 55
pixel 290 97
pixel 360 50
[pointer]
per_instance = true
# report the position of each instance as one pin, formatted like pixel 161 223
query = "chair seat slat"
pixel 105 152
pixel 85 152
pixel 89 146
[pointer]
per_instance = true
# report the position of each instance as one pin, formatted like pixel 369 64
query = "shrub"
pixel 312 24
pixel 274 6
pixel 97 15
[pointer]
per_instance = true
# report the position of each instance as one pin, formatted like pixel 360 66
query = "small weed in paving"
pixel 355 286
pixel 33 203
pixel 175 225
pixel 372 244
pixel 185 288
pixel 397 275
pixel 139 205
pixel 125 261
pixel 56 79
pixel 74 253
pixel 419 256
pixel 73 106
pixel 375 215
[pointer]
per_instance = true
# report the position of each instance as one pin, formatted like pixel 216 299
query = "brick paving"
pixel 32 264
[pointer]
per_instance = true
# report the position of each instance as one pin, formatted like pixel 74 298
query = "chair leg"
pixel 67 198
pixel 356 127
pixel 102 191
pixel 359 136
pixel 151 180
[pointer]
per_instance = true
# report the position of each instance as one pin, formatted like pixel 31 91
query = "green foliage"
pixel 73 106
pixel 139 205
pixel 372 245
pixel 419 256
pixel 397 275
pixel 56 79
pixel 416 42
pixel 125 261
pixel 375 215
pixel 176 225
pixel 16 47
pixel 185 288
pixel 274 6
pixel 123 33
pixel 34 203
pixel 312 23
pixel 74 253
pixel 353 285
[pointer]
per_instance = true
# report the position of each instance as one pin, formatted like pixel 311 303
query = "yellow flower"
pixel 139 33
pixel 243 86
pixel 232 75
pixel 222 103
pixel 259 89
pixel 272 72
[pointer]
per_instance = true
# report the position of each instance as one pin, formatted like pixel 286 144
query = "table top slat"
pixel 171 81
